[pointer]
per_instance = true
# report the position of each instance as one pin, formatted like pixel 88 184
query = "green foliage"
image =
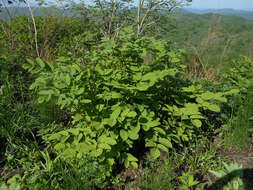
pixel 240 126
pixel 239 75
pixel 213 38
pixel 159 174
pixel 237 182
pixel 97 105
pixel 199 157
pixel 56 36
pixel 43 172
pixel 117 102
pixel 14 183
pixel 16 115
pixel 180 169
pixel 187 181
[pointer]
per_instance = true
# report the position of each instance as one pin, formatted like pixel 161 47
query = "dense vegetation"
pixel 246 13
pixel 91 102
pixel 210 39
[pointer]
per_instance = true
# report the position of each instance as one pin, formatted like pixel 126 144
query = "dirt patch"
pixel 243 157
pixel 130 176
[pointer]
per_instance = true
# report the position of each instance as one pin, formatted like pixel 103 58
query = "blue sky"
pixel 219 4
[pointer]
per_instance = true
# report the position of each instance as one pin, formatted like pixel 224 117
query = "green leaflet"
pixel 160 130
pixel 213 96
pixel 77 117
pixel 150 124
pixel 115 95
pixel 152 76
pixel 84 147
pixel 150 143
pixel 29 65
pixel 69 153
pixel 133 135
pixel 55 136
pixel 146 127
pixel 85 101
pixel 155 153
pixel 196 123
pixel 233 91
pixel 213 107
pixel 104 146
pixel 207 96
pixel 131 158
pixel 131 114
pixel 125 112
pixel 143 86
pixel 110 161
pixel 50 65
pixel 134 68
pixel 40 62
pixel 197 117
pixel 96 152
pixel 64 133
pixel 134 164
pixel 74 131
pixel 123 134
pixel 162 147
pixel 108 140
pixel 137 77
pixel 189 89
pixel 78 91
pixel 115 114
pixel 165 142
pixel 191 109
pixel 153 123
pixel 59 146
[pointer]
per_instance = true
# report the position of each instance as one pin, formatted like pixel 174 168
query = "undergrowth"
pixel 117 114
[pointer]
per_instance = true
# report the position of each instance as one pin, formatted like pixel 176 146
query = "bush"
pixel 119 105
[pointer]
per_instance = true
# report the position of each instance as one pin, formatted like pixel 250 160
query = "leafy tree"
pixel 147 8
pixel 110 16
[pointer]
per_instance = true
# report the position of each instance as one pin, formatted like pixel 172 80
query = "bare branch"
pixel 34 26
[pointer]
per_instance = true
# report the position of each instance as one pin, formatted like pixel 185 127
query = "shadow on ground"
pixel 247 178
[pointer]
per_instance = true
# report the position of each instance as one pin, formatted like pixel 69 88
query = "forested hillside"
pixel 215 38
pixel 248 14
pixel 118 95
pixel 185 29
pixel 191 29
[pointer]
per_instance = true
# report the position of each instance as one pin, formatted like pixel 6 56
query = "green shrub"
pixel 120 105
pixel 239 73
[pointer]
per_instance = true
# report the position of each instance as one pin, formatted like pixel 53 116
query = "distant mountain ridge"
pixel 248 14
pixel 45 11
pixel 37 11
